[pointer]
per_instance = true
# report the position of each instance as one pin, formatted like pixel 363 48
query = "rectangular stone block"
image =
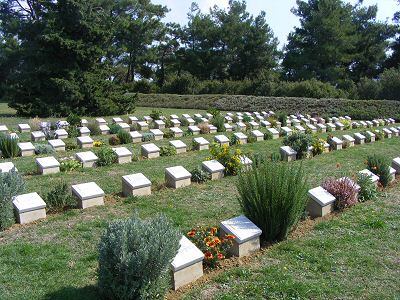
pixel 321 202
pixel 47 165
pixel 123 154
pixel 179 146
pixel 288 154
pixel 37 136
pixel 88 159
pixel 88 195
pixel 136 137
pixel 177 177
pixel 201 143
pixel 214 168
pixel 85 142
pixel 222 140
pixel 136 185
pixel 26 149
pixel 57 145
pixel 150 151
pixel 29 208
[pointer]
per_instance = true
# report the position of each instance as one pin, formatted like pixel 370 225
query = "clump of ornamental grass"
pixel 380 166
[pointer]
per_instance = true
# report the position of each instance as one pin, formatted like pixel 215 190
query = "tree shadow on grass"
pixel 70 293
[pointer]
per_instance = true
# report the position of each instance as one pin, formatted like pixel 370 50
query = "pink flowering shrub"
pixel 344 190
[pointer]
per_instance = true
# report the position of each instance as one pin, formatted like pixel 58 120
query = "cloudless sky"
pixel 279 16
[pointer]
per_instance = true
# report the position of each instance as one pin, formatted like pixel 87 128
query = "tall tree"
pixel 394 59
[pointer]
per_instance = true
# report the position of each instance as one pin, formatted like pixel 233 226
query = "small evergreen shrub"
pixel 106 157
pixel 229 159
pixel 368 190
pixel 218 121
pixel 347 124
pixel 167 151
pixel 156 114
pixel 273 196
pixel 73 132
pixel 74 119
pixel 379 135
pixel 199 176
pixel 282 117
pixel 147 137
pixel 70 146
pixel 135 257
pixel 168 134
pixel 11 185
pixel 268 136
pixel 233 140
pixel 114 141
pixel 8 146
pixel 124 137
pixel 318 146
pixel 300 142
pixel 59 198
pixel 251 138
pixel 43 149
pixel 344 190
pixel 197 120
pixel 213 111
pixel 94 129
pixel 184 121
pixel 115 128
pixel 380 166
pixel 69 165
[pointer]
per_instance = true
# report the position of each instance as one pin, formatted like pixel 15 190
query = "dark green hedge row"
pixel 357 109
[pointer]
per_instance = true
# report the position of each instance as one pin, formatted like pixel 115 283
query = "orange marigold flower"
pixel 220 256
pixel 217 241
pixel 191 233
pixel 211 244
pixel 208 255
pixel 230 237
pixel 213 230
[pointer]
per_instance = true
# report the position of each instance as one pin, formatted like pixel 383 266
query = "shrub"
pixel 135 257
pixel 74 119
pixel 156 114
pixel 318 146
pixel 11 185
pixel 35 123
pixel 184 121
pixel 106 157
pixel 124 137
pixel 367 136
pixel 167 151
pixel 219 121
pixel 198 120
pixel 300 142
pixel 114 141
pixel 246 119
pixel 147 137
pixel 233 140
pixel 347 124
pixel 43 149
pixel 115 128
pixel 213 111
pixel 273 196
pixel 368 190
pixel 94 129
pixel 268 135
pixel 8 146
pixel 344 190
pixel 229 159
pixel 379 135
pixel 251 138
pixel 59 198
pixel 214 247
pixel 199 176
pixel 282 117
pixel 70 146
pixel 73 132
pixel 69 165
pixel 97 144
pixel 168 134
pixel 204 128
pixel 380 166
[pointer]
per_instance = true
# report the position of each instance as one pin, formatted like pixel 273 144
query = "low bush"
pixel 155 114
pixel 184 121
pixel 318 146
pixel 11 185
pixel 106 157
pixel 114 141
pixel 135 257
pixel 147 137
pixel 69 165
pixel 218 121
pixel 168 134
pixel 229 159
pixel 167 151
pixel 268 135
pixel 274 196
pixel 300 142
pixel 43 149
pixel 94 129
pixel 275 157
pixel 368 190
pixel 115 128
pixel 35 123
pixel 199 176
pixel 98 144
pixel 347 124
pixel 74 119
pixel 204 128
pixel 344 190
pixel 380 166
pixel 282 117
pixel 59 198
pixel 69 146
pixel 124 137
pixel 8 146
pixel 73 132
pixel 251 138
pixel 379 135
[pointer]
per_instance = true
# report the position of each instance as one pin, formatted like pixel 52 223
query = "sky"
pixel 278 14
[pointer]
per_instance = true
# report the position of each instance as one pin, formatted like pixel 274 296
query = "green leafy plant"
pixel 69 145
pixel 114 141
pixel 368 189
pixel 318 146
pixel 380 166
pixel 219 121
pixel 8 146
pixel 379 135
pixel 300 142
pixel 268 135
pixel 199 176
pixel 213 111
pixel 135 257
pixel 115 128
pixel 282 117
pixel 274 196
pixel 124 137
pixel 69 165
pixel 184 121
pixel 275 157
pixel 59 198
pixel 43 149
pixel 229 159
pixel 106 157
pixel 246 119
pixel 347 124
pixel 11 185
pixel 168 134
pixel 94 129
pixel 74 119
pixel 167 151
pixel 147 137
pixel 73 132
pixel 156 114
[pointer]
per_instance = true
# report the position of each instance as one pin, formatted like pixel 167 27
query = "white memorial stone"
pixel 221 139
pixel 85 142
pixel 37 136
pixel 158 134
pixel 57 145
pixel 179 146
pixel 136 185
pixel 61 134
pixel 177 177
pixel 150 151
pixel 88 194
pixel 136 136
pixel 201 143
pixel 123 154
pixel 321 202
pixel 88 159
pixel 215 168
pixel 29 207
pixel 47 165
pixel 26 149
pixel 24 128
pixel 7 167
pixel 287 153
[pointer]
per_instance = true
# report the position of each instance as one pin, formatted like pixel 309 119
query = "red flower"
pixel 230 237
pixel 191 233
pixel 208 255
pixel 220 256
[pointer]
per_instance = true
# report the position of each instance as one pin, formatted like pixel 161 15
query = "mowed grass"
pixel 56 258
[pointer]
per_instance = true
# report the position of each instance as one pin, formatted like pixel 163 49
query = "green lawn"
pixel 56 258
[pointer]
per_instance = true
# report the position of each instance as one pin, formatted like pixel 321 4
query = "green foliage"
pixel 380 166
pixel 275 157
pixel 124 137
pixel 273 196
pixel 218 121
pixel 184 121
pixel 73 132
pixel 106 157
pixel 135 257
pixel 115 128
pixel 318 146
pixel 8 146
pixel 11 185
pixel 368 190
pixel 94 129
pixel 156 114
pixel 74 119
pixel 246 119
pixel 390 84
pixel 70 165
pixel 300 142
pixel 282 117
pixel 43 149
pixel 213 111
pixel 59 198
pixel 114 141
pixel 168 134
pixel 229 159
pixel 147 137
pixel 69 146
pixel 199 176
pixel 167 151
pixel 268 135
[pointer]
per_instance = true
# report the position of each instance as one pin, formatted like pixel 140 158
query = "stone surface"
pixel 7 167
pixel 287 153
pixel 348 140
pixel 222 139
pixel 179 146
pixel 321 127
pixel 275 133
pixel 300 128
pixel 201 143
pixel 117 120
pixel 150 151
pixel 175 122
pixel 177 177
pixel 194 129
pixel 125 126
pixel 143 125
pixel 387 132
pixel 57 145
pixel 136 185
pixel 61 134
pixel 187 266
pixel 26 149
pixel 337 143
pixel 215 168
pixel 85 142
pixel 37 136
pixel 88 159
pixel 258 135
pixel 159 124
pixel 24 128
pixel 84 131
pixel 359 138
pixel 158 134
pixel 47 165
pixel 88 194
pixel 371 175
pixel 133 119
pixel 3 128
pixel 286 130
pixel 101 121
pixel 176 131
pixel 104 129
pixel 396 164
pixel 241 137
pixel 136 136
pixel 123 154
pixel 29 207
pixel 321 202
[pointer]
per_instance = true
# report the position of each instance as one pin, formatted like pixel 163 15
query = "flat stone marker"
pixel 201 143
pixel 321 128
pixel 287 153
pixel 84 131
pixel 396 164
pixel 394 130
pixel 136 185
pixel 392 172
pixel 177 132
pixel 187 265
pixel 104 129
pixel 158 134
pixel 337 143
pixel 7 167
pixel 258 135
pixel 24 128
pixel 371 136
pixel 331 126
pixel 295 122
pixel 369 124
pixel 321 202
pixel 359 138
pixel 26 149
pixel 3 129
pixel 265 124
pixel 300 128
pixel 117 120
pixel 245 162
pixel 143 125
pixel 101 121
pixel 125 126
pixel 374 178
pixel 179 146
pixel 173 117
pixel 240 137
pixel 159 124
pixel 212 129
pixel 254 125
pixel 312 128
pixel 136 136
pixel 29 207
pixel 228 127
pixel 47 165
pixel 214 167
pixel 61 134
pixel 286 130
pixel 190 121
pixel 363 124
pixel 228 119
pixel 194 129
pixel 186 116
pixel 387 132
pixel 57 145
pixel 348 141
pixel 84 122
pixel 241 125
pixel 88 159
pixel 275 133
pixel 175 122
pixel 85 142
pixel 221 139
pixel 247 235
pixel 347 118
pixel 123 154
pixel 150 151
pixel 376 123
pixel 37 136
pixel 88 195
pixel 133 120
pixel 147 119
pixel 339 126
pixel 177 177
pixel 313 121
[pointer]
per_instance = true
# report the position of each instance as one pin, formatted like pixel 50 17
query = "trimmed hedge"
pixel 357 109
